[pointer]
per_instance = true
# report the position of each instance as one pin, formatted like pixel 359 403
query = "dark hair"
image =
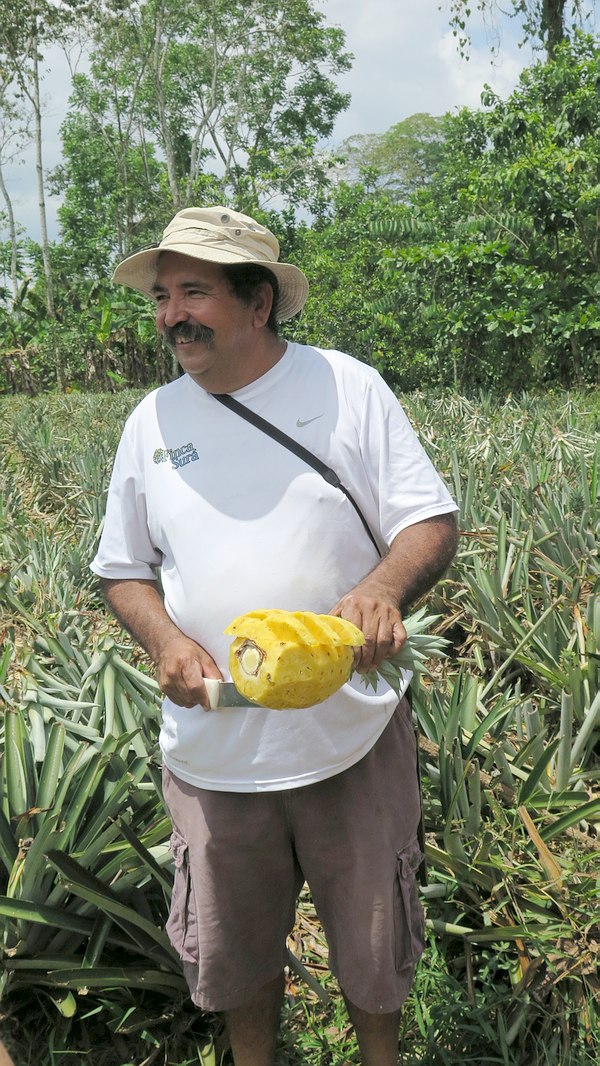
pixel 244 280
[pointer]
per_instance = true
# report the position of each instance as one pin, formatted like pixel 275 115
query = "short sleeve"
pixel 126 549
pixel 403 479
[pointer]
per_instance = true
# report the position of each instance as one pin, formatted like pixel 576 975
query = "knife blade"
pixel 225 694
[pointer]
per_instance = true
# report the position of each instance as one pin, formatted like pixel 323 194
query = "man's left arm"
pixel 418 557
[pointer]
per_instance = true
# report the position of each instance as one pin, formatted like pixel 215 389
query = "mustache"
pixel 188 331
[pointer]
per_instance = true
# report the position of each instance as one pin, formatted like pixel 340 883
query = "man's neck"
pixel 245 371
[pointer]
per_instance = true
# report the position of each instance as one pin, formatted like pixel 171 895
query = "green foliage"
pixel 101 338
pixel 340 256
pixel 100 185
pixel 180 81
pixel 493 279
pixel 401 160
pixel 466 257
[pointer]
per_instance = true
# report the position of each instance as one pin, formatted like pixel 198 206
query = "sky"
pixel 405 61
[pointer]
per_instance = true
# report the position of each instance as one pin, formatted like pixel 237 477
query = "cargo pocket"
pixel 182 927
pixel 408 913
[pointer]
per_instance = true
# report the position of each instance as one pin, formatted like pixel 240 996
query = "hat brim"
pixel 139 271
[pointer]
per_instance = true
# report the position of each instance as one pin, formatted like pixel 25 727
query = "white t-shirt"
pixel 236 523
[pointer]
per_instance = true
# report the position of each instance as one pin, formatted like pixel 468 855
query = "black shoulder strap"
pixel 293 446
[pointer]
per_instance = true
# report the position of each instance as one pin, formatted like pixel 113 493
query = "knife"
pixel 225 694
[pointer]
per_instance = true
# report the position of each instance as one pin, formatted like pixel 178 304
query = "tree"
pixel 24 28
pixel 401 160
pixel 242 90
pixel 340 254
pixel 546 20
pixel 494 277
pixel 545 164
pixel 13 134
pixel 112 188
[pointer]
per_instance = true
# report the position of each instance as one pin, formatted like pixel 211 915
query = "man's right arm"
pixel 181 664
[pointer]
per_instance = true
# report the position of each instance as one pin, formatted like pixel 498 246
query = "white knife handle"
pixel 213 690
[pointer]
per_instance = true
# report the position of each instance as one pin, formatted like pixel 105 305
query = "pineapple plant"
pixel 508 742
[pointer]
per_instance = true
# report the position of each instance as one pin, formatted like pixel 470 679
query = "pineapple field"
pixel 508 712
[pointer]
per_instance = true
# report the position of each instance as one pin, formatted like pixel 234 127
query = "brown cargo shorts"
pixel 242 858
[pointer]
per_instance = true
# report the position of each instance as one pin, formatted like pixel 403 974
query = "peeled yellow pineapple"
pixel 282 659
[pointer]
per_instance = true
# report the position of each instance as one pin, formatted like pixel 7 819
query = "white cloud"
pixel 406 60
pixel 467 79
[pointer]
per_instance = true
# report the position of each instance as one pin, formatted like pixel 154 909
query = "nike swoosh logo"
pixel 300 423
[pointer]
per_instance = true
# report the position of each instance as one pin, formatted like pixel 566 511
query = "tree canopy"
pixel 180 96
pixel 492 274
pixel 457 250
pixel 399 161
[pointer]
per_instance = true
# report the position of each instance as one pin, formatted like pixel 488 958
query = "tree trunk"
pixel 159 54
pixel 12 229
pixel 35 99
pixel 577 366
pixel 553 24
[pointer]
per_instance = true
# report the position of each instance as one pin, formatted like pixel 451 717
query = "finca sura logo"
pixel 181 456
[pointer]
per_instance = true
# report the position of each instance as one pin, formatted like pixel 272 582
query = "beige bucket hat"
pixel 218 235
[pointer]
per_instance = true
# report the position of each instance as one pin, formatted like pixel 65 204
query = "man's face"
pixel 209 329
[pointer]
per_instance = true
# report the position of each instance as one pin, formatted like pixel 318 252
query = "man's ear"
pixel 263 302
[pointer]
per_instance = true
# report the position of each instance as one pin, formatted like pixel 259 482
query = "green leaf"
pixel 587 812
pixel 56 917
pixel 65 1003
pixel 107 977
pixel 149 938
pixel 528 787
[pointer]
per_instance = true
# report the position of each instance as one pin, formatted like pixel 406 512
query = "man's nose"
pixel 172 310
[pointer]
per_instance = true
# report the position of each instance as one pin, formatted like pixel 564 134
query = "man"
pixel 263 800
